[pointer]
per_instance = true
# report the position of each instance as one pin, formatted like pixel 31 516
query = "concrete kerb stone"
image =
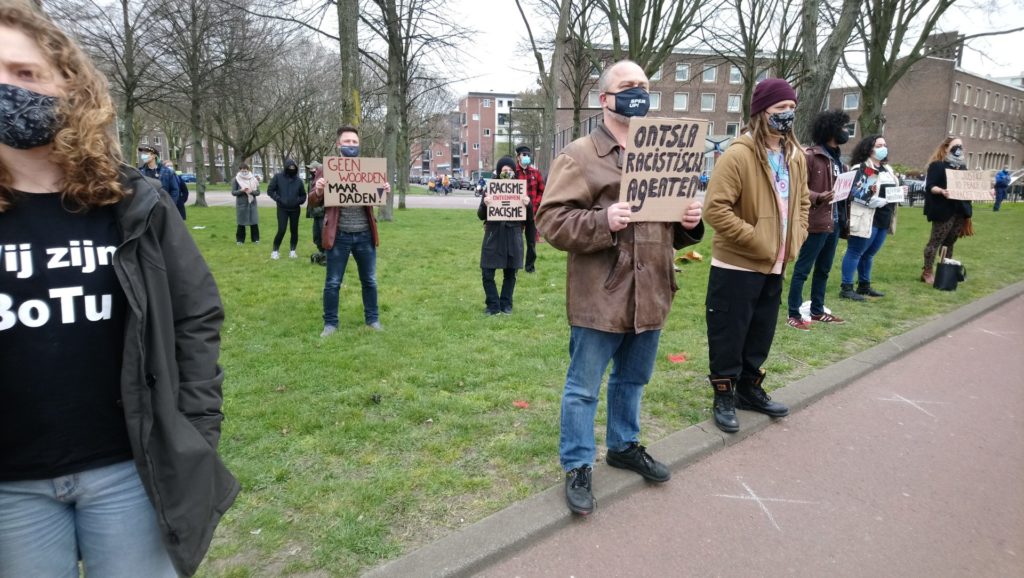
pixel 473 548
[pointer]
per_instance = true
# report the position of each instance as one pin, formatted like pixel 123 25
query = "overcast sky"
pixel 493 59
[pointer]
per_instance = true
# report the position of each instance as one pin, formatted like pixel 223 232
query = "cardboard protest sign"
pixel 970 185
pixel 506 199
pixel 842 186
pixel 353 181
pixel 663 161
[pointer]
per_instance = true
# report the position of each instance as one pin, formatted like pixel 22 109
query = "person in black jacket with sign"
pixel 502 247
pixel 947 216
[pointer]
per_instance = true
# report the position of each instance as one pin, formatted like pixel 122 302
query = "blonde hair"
pixel 940 153
pixel 85 146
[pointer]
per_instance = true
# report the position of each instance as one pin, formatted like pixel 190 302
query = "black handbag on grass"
pixel 948 275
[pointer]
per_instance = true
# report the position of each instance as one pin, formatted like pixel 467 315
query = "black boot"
pixel 846 292
pixel 865 289
pixel 751 396
pixel 725 403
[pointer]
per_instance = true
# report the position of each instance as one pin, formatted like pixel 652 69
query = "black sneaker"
pixel 578 496
pixel 636 458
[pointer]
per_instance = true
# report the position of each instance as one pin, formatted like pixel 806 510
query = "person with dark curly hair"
pixel 819 250
pixel 871 216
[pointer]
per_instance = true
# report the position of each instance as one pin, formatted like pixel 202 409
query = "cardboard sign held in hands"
pixel 661 173
pixel 506 199
pixel 896 194
pixel 970 185
pixel 842 186
pixel 354 181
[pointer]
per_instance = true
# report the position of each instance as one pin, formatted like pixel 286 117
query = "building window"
pixel 594 99
pixel 463 115
pixel 595 72
pixel 970 159
pixel 733 104
pixel 851 101
pixel 144 139
pixel 156 139
pixel 988 95
pixel 439 154
pixel 487 103
pixel 681 101
pixel 710 73
pixel 503 118
pixel 476 117
pixel 487 132
pixel 952 123
pixel 956 92
pixel 655 101
pixel 476 146
pixel 967 96
pixel 977 97
pixel 963 125
pixel 851 129
pixel 464 148
pixel 707 102
pixel 501 103
pixel 984 126
pixel 657 74
pixel 995 103
pixel 711 127
pixel 188 157
pixel 824 102
pixel 682 72
pixel 732 128
pixel 734 75
pixel 1002 131
pixel 761 75
pixel 974 126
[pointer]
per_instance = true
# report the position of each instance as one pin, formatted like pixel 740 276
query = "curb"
pixel 472 549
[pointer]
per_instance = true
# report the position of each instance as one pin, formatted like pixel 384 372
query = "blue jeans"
pixel 860 255
pixel 632 356
pixel 360 246
pixel 102 514
pixel 818 252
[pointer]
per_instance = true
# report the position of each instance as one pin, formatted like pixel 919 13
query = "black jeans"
pixel 318 230
pixel 240 233
pixel 493 302
pixel 531 242
pixel 287 218
pixel 742 308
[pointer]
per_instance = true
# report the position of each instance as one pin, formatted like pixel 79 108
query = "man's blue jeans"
pixel 818 251
pixel 360 246
pixel 860 255
pixel 102 514
pixel 632 356
pixel 1000 197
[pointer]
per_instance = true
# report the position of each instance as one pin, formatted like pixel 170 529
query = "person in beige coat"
pixel 757 203
pixel 619 288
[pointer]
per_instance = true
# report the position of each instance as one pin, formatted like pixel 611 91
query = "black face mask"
pixel 27 119
pixel 292 171
pixel 842 137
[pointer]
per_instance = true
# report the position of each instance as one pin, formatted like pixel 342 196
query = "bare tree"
pixel 646 31
pixel 894 36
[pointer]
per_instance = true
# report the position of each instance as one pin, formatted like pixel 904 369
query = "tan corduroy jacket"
pixel 742 208
pixel 617 282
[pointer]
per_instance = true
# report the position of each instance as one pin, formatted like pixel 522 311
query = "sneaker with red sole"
pixel 798 323
pixel 828 318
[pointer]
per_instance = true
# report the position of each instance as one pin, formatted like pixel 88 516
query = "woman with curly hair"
pixel 109 335
pixel 819 250
pixel 871 216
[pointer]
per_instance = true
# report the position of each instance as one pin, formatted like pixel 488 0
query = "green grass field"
pixel 354 449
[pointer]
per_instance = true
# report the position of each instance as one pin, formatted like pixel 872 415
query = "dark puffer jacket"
pixel 288 191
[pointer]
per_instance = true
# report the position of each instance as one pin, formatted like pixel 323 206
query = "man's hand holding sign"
pixel 354 181
pixel 663 160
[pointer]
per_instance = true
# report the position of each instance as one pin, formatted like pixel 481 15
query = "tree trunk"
pixel 211 148
pixel 196 124
pixel 551 88
pixel 872 119
pixel 128 136
pixel 348 34
pixel 818 69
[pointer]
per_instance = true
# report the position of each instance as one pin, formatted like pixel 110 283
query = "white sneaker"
pixel 275 255
pixel 293 255
pixel 328 331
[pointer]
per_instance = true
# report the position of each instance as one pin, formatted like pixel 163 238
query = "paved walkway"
pixel 915 469
pixel 460 200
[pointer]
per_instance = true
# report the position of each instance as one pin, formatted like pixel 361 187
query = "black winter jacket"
pixel 289 192
pixel 170 379
pixel 936 207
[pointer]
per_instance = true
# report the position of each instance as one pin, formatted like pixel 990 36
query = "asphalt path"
pixel 914 469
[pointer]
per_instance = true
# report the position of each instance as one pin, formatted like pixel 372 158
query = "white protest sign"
pixel 506 197
pixel 970 185
pixel 896 194
pixel 353 181
pixel 663 161
pixel 842 186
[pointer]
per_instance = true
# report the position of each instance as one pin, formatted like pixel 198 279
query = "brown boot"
pixel 928 276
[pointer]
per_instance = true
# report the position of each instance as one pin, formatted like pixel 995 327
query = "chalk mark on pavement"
pixel 751 496
pixel 913 403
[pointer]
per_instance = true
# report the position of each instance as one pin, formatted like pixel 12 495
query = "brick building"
pixel 441 155
pixel 484 129
pixel 936 98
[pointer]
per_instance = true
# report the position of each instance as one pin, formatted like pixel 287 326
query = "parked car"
pixel 188 177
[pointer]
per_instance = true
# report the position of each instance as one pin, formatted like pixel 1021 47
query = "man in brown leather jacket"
pixel 619 289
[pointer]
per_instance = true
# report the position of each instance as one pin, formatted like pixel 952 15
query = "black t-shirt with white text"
pixel 62 320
